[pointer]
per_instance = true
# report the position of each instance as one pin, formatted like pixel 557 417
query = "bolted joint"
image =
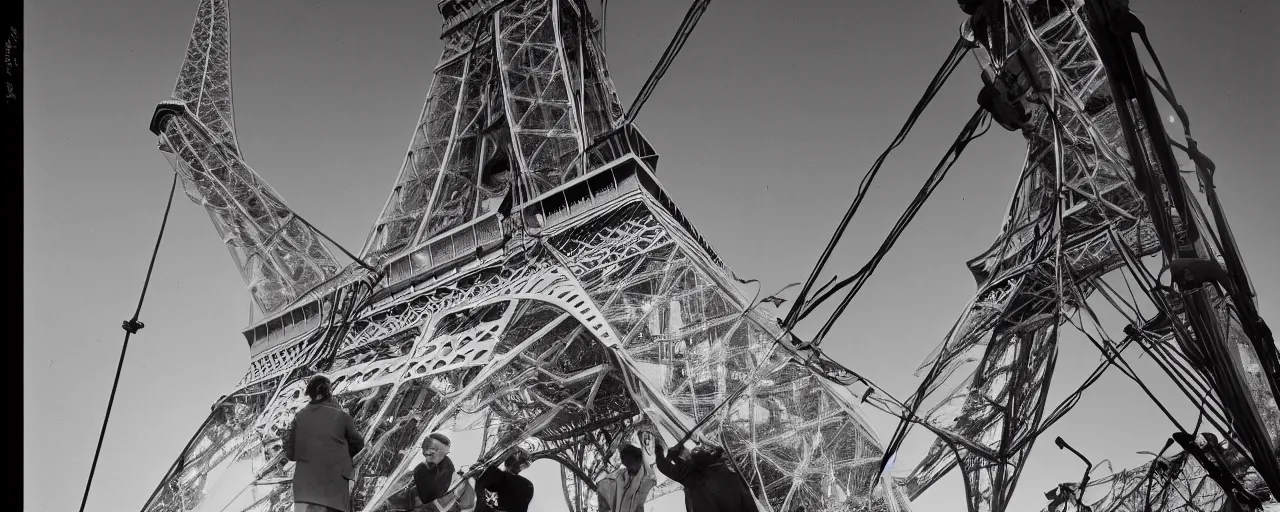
pixel 132 326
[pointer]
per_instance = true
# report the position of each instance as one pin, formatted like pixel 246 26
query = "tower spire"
pixel 204 83
pixel 517 97
pixel 617 318
pixel 278 255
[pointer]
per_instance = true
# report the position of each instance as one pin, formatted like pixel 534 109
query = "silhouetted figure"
pixel 511 491
pixel 710 484
pixel 626 489
pixel 322 440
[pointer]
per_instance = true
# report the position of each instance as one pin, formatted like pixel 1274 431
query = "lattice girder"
pixel 684 325
pixel 619 318
pixel 518 108
pixel 397 381
pixel 204 83
pixel 1018 283
pixel 1169 483
pixel 498 347
pixel 1021 289
pixel 278 255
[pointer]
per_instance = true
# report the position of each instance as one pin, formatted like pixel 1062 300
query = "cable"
pixel 1182 376
pixel 930 383
pixel 948 67
pixel 130 327
pixel 1125 369
pixel 1144 133
pixel 903 427
pixel 1073 399
pixel 336 244
pixel 1107 350
pixel 1181 334
pixel 334 332
pixel 668 56
pixel 863 273
pixel 1242 295
pixel 966 136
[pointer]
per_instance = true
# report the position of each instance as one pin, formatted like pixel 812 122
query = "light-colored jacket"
pixel 322 440
pixel 621 492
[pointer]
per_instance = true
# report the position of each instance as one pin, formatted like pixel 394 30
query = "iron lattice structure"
pixel 1168 483
pixel 1078 213
pixel 529 282
pixel 279 256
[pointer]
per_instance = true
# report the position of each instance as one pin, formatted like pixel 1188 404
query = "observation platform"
pixel 457 13
pixel 621 167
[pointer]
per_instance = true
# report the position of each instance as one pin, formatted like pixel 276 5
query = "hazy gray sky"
pixel 765 124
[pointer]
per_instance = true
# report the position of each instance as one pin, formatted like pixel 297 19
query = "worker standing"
pixel 322 440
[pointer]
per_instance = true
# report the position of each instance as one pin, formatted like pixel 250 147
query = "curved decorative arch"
pixel 546 371
pixel 522 350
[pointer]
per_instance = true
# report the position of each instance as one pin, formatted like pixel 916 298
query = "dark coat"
pixel 322 440
pixel 710 484
pixel 513 492
pixel 432 483
pixel 440 489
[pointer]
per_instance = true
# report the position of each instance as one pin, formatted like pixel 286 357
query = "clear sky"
pixel 765 123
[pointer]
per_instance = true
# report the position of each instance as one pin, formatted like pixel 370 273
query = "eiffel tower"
pixel 528 283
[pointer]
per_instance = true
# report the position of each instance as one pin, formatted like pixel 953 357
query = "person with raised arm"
pixel 710 483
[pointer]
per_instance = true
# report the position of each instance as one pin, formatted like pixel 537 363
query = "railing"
pixel 570 201
pixel 613 145
pixel 621 161
pixel 457 12
pixel 284 326
pixel 442 250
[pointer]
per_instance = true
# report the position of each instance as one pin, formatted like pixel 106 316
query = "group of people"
pixel 323 440
pixel 438 487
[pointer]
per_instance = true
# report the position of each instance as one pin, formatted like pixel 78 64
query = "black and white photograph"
pixel 648 256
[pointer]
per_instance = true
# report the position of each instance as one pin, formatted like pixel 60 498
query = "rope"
pixel 1118 53
pixel 966 136
pixel 335 244
pixel 948 67
pixel 1114 355
pixel 130 326
pixel 668 56
pixel 1251 322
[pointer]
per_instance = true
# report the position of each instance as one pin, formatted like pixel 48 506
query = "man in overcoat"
pixel 322 441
